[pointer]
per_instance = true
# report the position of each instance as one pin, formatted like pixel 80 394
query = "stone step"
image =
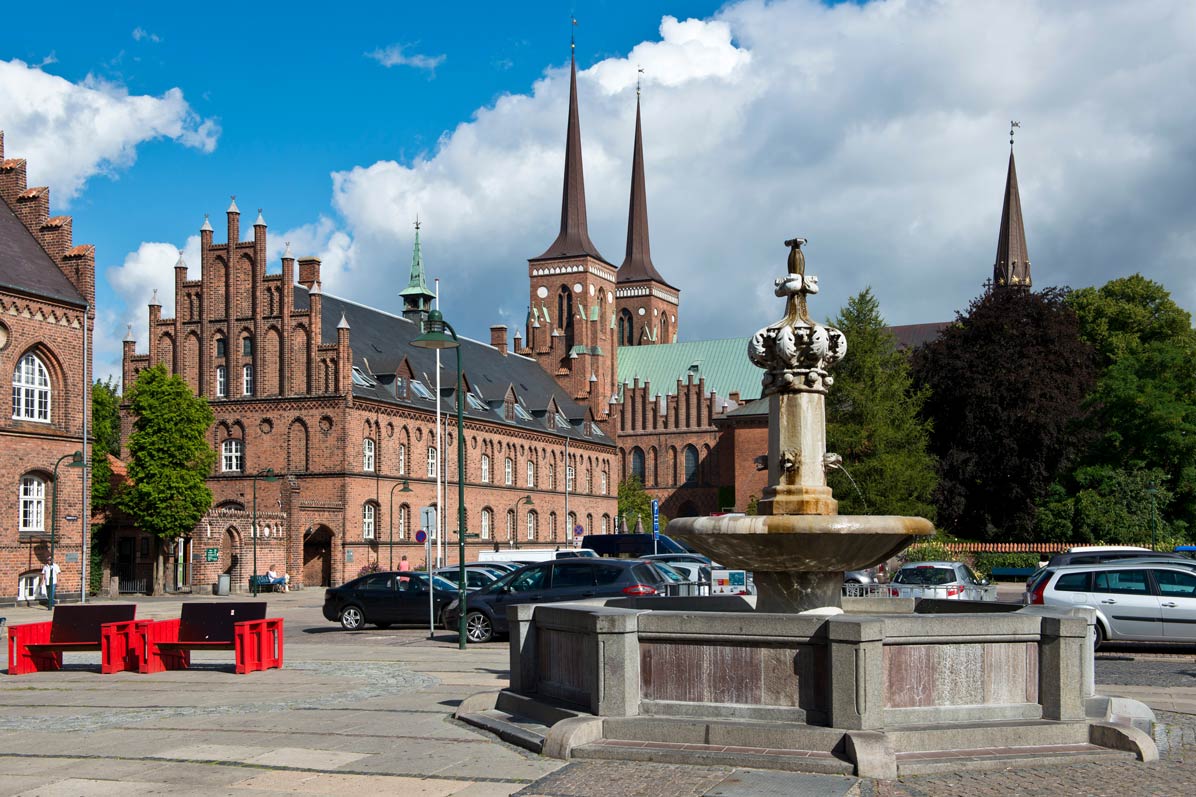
pixel 541 709
pixel 520 731
pixel 724 733
pixel 817 761
pixel 963 735
pixel 992 758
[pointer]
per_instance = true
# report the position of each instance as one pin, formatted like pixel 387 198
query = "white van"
pixel 533 554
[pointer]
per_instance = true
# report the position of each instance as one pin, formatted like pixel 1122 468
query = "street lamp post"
pixel 391 517
pixel 435 337
pixel 266 475
pixel 76 459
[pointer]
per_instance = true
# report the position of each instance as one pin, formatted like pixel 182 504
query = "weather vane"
pixel 640 70
pixel 1012 125
pixel 417 220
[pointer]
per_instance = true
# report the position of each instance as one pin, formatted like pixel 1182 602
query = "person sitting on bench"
pixel 277 580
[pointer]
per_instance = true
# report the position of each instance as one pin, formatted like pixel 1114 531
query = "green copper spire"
pixel 417 299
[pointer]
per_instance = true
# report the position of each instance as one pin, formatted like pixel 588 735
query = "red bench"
pixel 239 627
pixel 108 628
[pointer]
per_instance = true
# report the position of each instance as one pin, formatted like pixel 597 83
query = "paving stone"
pixel 784 784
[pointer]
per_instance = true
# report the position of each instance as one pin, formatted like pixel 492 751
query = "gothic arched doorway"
pixel 317 557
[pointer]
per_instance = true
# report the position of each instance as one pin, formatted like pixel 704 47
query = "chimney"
pixel 309 271
pixel 498 338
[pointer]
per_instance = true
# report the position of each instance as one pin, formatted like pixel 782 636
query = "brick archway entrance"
pixel 317 558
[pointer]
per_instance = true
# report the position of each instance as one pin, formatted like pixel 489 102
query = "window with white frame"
pixel 532 520
pixel 569 478
pixel 572 524
pixel 367 521
pixel 485 469
pixel 487 522
pixel 552 525
pixel 605 486
pixel 531 473
pixel 404 520
pixel 605 524
pixel 33 504
pixel 402 459
pixel 221 382
pixel 590 480
pixel 431 462
pixel 367 454
pixel 31 390
pixel 508 472
pixel 510 524
pixel 247 379
pixel 232 456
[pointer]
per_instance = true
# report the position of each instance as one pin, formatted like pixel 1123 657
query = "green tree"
pixel 1144 405
pixel 873 421
pixel 1007 385
pixel 169 459
pixel 1110 505
pixel 634 502
pixel 105 427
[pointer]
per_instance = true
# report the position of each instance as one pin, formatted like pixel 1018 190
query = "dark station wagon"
pixel 386 599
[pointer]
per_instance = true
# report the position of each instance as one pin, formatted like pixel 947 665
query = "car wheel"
pixel 1098 634
pixel 383 626
pixel 351 618
pixel 478 627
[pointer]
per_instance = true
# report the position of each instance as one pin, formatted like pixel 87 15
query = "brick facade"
pixel 47 289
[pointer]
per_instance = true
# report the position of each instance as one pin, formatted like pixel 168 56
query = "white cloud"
pixel 70 132
pixel 396 55
pixel 877 131
pixel 141 34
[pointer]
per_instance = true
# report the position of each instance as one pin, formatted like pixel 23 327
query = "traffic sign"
pixel 655 518
pixel 579 530
pixel 421 535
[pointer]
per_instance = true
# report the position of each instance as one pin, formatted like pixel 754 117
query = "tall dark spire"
pixel 574 238
pixel 1013 259
pixel 637 265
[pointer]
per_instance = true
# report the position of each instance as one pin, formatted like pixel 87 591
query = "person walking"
pixel 404 565
pixel 50 579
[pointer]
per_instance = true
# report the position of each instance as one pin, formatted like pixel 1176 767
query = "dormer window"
pixel 418 388
pixel 360 379
pixel 475 403
pixel 521 413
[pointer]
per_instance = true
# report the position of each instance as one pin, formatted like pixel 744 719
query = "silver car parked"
pixel 944 580
pixel 1138 602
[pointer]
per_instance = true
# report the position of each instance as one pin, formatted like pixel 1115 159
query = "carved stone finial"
pixel 796 351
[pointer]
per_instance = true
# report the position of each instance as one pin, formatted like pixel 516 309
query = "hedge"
pixel 985 562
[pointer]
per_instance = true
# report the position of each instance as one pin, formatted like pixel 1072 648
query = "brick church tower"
pixel 646 305
pixel 571 316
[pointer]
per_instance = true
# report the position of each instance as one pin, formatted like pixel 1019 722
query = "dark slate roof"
pixel 911 336
pixel 574 237
pixel 25 266
pixel 380 341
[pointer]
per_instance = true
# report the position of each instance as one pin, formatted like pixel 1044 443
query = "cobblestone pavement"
pixel 1132 670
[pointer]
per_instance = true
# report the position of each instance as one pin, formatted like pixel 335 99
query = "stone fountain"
pixel 884 688
pixel 798 546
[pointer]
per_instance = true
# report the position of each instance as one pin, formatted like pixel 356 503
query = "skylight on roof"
pixel 419 389
pixel 475 402
pixel 361 380
pixel 521 413
pixel 561 421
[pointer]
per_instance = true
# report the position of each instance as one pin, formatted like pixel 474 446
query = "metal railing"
pixel 974 592
pixel 135 586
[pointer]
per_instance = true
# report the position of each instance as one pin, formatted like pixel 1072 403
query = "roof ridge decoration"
pixel 637 265
pixel 574 237
pixel 1012 266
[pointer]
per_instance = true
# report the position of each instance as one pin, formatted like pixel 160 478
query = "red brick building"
pixel 47 293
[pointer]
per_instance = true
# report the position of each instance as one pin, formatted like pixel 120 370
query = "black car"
pixel 386 599
pixel 630 546
pixel 556 580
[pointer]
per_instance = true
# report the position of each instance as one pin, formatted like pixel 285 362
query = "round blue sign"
pixel 421 535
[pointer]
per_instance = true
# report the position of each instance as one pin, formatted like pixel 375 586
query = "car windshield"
pixel 420 581
pixel 672 574
pixel 927 575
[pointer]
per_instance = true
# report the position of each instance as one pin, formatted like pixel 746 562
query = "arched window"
pixel 564 311
pixel 367 454
pixel 552 525
pixel 590 481
pixel 510 524
pixel 487 523
pixel 431 462
pixel 247 347
pixel 247 379
pixel 31 390
pixel 508 472
pixel 220 344
pixel 626 328
pixel 402 459
pixel 532 521
pixel 221 382
pixel 572 525
pixel 485 469
pixel 569 479
pixel 531 473
pixel 33 504
pixel 605 524
pixel 664 329
pixel 605 485
pixel 589 524
pixel 368 513
pixel 637 463
pixel 404 520
pixel 691 464
pixel 232 456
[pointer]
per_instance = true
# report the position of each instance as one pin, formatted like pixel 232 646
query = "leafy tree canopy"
pixel 169 455
pixel 1007 386
pixel 1127 314
pixel 105 426
pixel 873 421
pixel 634 502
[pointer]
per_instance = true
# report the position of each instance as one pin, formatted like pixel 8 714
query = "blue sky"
pixel 878 131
